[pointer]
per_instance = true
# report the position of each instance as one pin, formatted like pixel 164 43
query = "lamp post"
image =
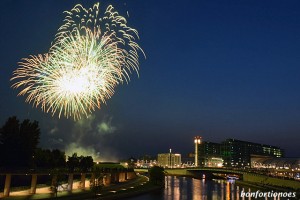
pixel 197 141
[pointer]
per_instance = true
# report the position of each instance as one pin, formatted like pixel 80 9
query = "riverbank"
pixel 271 182
pixel 137 186
pixel 266 187
pixel 259 186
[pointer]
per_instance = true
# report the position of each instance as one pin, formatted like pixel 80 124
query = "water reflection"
pixel 196 189
pixel 183 188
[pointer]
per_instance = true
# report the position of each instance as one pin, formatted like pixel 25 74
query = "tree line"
pixel 19 150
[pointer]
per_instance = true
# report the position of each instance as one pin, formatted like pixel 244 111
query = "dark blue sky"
pixel 219 69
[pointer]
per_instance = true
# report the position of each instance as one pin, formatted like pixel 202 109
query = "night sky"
pixel 218 69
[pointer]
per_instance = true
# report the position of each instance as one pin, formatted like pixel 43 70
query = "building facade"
pixel 233 153
pixel 169 160
pixel 237 153
pixel 210 154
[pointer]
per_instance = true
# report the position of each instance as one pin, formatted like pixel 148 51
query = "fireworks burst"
pixel 90 56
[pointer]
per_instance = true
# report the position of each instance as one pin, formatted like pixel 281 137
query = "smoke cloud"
pixel 86 137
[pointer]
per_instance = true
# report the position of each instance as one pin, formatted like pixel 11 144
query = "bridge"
pixel 85 178
pixel 207 171
pixel 197 172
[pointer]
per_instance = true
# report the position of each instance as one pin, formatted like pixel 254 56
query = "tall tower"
pixel 197 141
pixel 170 159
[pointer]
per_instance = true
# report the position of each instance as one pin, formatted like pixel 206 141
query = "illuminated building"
pixel 209 149
pixel 213 162
pixel 188 160
pixel 276 163
pixel 279 167
pixel 145 163
pixel 237 153
pixel 169 160
pixel 210 154
pixel 231 153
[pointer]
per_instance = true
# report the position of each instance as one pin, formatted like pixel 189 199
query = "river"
pixel 184 188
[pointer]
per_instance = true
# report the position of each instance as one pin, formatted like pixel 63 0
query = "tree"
pixel 10 143
pixel 42 158
pixel 18 143
pixel 73 162
pixel 86 163
pixel 97 185
pixel 157 175
pixel 47 159
pixel 82 163
pixel 58 159
pixel 30 135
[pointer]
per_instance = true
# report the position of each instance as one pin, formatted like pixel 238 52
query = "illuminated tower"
pixel 197 141
pixel 170 159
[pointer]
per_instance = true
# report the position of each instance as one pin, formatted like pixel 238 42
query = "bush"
pixel 157 175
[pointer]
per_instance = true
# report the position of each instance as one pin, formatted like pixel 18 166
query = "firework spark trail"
pixel 89 57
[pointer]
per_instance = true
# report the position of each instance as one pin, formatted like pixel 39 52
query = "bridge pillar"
pixel 82 181
pixel 70 182
pixel 122 176
pixel 131 175
pixel 54 181
pixel 7 185
pixel 107 179
pixel 115 177
pixel 92 180
pixel 33 184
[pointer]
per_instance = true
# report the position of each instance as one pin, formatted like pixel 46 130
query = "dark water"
pixel 183 188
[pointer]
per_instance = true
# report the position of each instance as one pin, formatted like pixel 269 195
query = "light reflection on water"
pixel 183 188
pixel 180 188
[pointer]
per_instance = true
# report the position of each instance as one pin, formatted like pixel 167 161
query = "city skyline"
pixel 215 69
pixel 216 143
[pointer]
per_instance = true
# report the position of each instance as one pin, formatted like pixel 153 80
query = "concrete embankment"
pixel 266 181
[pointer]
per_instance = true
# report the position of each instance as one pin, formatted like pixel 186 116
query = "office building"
pixel 210 154
pixel 237 153
pixel 169 160
pixel 232 153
